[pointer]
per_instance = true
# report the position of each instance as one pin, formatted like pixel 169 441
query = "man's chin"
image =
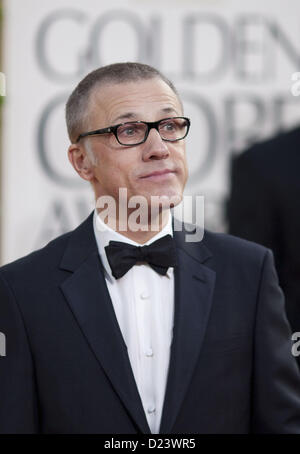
pixel 164 201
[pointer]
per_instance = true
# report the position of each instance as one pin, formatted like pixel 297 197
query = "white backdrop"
pixel 231 61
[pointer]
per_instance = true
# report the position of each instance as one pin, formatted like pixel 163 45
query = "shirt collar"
pixel 105 234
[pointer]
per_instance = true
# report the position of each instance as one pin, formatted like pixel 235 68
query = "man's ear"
pixel 81 162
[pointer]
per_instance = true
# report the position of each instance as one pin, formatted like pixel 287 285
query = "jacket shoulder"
pixel 45 257
pixel 233 248
pixel 48 257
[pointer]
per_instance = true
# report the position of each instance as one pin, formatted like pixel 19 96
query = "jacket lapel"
pixel 194 286
pixel 89 300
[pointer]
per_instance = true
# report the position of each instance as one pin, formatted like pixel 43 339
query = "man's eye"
pixel 170 126
pixel 128 130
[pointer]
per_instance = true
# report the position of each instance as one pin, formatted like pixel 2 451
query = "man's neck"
pixel 144 233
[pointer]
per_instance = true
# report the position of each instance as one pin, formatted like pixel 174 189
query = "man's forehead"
pixel 124 100
pixel 132 115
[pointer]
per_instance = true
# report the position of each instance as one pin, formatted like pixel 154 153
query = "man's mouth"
pixel 159 174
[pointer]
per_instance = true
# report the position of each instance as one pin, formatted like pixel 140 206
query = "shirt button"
pixel 149 352
pixel 151 409
pixel 144 295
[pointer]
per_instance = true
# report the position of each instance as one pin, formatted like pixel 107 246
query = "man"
pixel 155 334
pixel 264 207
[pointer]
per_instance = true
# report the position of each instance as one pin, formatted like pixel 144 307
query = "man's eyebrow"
pixel 169 110
pixel 135 116
pixel 126 116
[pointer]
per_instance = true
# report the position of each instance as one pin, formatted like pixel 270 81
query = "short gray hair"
pixel 77 107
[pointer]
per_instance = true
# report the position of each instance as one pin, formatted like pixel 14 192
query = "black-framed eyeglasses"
pixel 136 132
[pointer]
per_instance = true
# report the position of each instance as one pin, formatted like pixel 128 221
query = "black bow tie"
pixel 122 256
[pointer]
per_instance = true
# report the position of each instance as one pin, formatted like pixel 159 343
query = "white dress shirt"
pixel 143 302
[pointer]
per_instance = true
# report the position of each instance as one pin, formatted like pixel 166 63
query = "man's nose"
pixel 155 147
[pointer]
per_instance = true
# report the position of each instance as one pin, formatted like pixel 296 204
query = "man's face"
pixel 119 166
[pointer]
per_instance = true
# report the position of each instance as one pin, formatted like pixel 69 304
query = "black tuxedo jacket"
pixel 264 207
pixel 67 370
